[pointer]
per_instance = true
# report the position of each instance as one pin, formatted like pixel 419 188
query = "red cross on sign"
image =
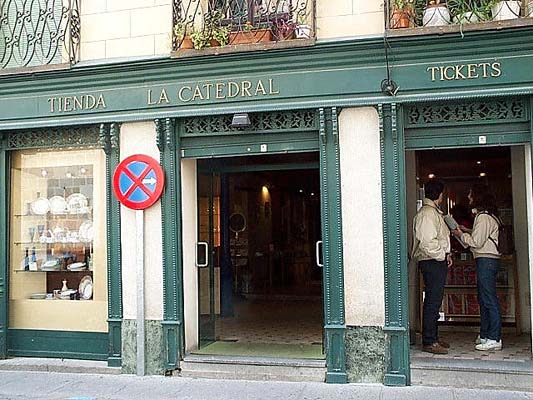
pixel 138 181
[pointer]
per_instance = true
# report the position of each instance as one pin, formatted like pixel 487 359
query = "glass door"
pixel 207 259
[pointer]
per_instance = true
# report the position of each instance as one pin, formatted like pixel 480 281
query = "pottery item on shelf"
pixel 58 205
pixel 77 203
pixel 85 288
pixel 40 206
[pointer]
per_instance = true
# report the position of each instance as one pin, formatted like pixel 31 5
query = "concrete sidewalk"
pixel 51 385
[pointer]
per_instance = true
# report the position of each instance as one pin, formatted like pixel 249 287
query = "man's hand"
pixel 449 259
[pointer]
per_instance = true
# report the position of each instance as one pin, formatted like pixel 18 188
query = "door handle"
pixel 317 247
pixel 205 258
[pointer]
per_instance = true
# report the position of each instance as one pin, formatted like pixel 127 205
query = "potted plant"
pixel 250 34
pixel 502 10
pixel 436 13
pixel 181 38
pixel 200 39
pixel 402 14
pixel 469 11
pixel 219 36
pixel 216 32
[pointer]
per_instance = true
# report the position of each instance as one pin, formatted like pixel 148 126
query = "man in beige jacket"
pixel 431 248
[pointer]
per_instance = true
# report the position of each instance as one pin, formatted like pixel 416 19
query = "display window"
pixel 58 274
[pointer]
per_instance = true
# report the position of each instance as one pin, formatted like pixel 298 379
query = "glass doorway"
pixel 260 287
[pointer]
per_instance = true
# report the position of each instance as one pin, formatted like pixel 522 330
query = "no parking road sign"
pixel 138 181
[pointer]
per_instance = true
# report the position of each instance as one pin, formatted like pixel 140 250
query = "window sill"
pixel 241 48
pixel 32 70
pixel 456 28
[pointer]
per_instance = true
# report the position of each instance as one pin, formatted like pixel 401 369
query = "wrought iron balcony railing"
pixel 213 23
pixel 39 32
pixel 432 13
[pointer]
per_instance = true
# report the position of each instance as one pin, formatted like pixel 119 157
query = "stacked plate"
pixel 52 265
pixel 78 266
pixel 66 294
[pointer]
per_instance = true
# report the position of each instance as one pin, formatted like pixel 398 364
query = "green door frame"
pixel 89 345
pixel 325 125
pixel 394 143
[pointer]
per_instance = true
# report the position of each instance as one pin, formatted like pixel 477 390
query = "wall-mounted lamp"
pixel 241 120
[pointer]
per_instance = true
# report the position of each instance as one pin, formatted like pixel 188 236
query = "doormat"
pixel 310 351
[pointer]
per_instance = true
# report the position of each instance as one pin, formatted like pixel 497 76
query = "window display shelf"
pixel 57 215
pixel 52 243
pixel 52 272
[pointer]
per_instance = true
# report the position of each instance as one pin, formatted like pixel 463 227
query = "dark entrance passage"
pixel 260 288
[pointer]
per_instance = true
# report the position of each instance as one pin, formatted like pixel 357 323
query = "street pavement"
pixel 66 386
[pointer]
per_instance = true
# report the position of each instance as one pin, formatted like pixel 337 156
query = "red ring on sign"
pixel 151 165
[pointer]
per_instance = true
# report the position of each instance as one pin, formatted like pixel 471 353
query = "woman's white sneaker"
pixel 489 345
pixel 479 340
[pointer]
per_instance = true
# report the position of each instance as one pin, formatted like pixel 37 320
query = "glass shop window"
pixel 58 274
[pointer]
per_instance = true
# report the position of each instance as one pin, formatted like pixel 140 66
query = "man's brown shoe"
pixel 444 344
pixel 435 348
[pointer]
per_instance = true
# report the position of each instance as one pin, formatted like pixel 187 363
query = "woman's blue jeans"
pixel 489 305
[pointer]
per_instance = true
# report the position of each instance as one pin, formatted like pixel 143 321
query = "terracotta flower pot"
pixel 186 43
pixel 400 19
pixel 255 36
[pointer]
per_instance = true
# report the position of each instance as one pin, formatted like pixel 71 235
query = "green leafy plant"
pixel 179 31
pixel 200 39
pixel 403 5
pixel 221 34
pixel 466 11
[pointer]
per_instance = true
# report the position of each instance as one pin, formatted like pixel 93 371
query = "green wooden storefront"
pixel 435 73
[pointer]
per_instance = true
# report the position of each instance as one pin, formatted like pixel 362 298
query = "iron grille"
pixel 39 32
pixel 497 110
pixel 429 13
pixel 211 23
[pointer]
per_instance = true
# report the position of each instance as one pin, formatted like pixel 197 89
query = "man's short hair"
pixel 433 189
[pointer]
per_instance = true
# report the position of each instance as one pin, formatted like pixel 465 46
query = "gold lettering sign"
pixel 212 91
pixel 82 102
pixel 459 72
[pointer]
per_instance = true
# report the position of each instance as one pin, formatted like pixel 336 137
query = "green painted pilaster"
pixel 109 140
pixel 330 186
pixel 395 246
pixel 4 257
pixel 172 344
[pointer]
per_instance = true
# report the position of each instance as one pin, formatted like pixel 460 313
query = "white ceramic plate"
pixel 38 296
pixel 76 266
pixel 58 205
pixel 40 206
pixel 77 203
pixel 85 289
pixel 86 232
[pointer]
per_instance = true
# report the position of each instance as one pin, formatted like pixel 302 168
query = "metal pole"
pixel 139 240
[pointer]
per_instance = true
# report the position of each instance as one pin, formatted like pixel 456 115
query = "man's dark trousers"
pixel 434 274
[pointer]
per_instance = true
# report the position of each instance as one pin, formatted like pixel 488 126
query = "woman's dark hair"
pixel 433 189
pixel 483 199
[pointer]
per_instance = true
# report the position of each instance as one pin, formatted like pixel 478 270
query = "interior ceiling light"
pixel 431 176
pixel 478 162
pixel 69 175
pixel 44 172
pixel 482 174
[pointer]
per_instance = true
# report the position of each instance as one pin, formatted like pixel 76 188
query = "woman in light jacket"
pixel 483 242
